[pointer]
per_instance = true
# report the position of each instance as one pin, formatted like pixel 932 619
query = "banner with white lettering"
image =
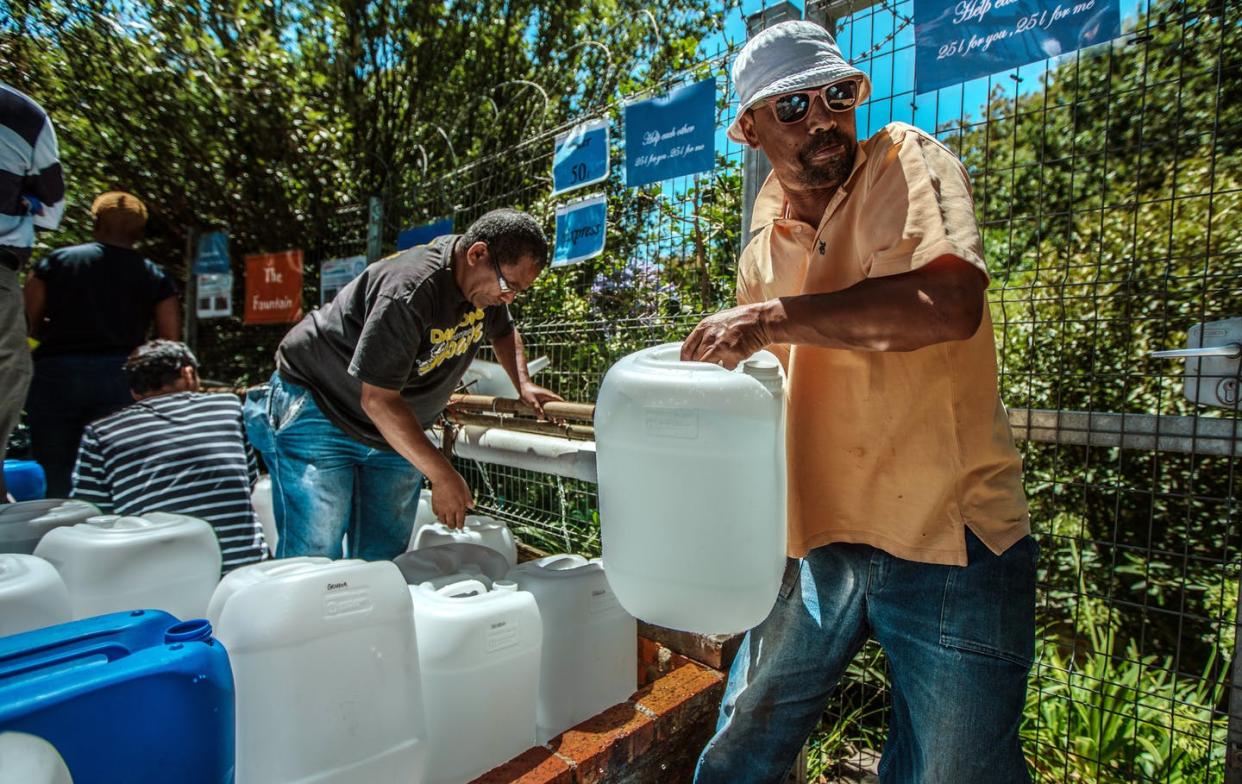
pixel 213 295
pixel 213 254
pixel 580 230
pixel 335 274
pixel 580 157
pixel 672 135
pixel 959 40
pixel 273 288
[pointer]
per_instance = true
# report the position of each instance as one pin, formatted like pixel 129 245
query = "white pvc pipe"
pixel 530 451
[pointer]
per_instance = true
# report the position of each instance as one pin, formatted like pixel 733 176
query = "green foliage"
pixel 280 120
pixel 1099 710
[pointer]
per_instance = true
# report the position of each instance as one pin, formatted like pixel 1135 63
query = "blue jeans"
pixel 66 394
pixel 959 642
pixel 326 485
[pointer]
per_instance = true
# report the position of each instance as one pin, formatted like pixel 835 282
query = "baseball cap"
pixel 120 210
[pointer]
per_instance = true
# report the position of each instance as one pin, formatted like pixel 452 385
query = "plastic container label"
pixel 672 423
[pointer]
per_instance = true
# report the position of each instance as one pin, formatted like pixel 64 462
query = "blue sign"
pixel 213 254
pixel 421 235
pixel 581 157
pixel 580 230
pixel 958 40
pixel 672 135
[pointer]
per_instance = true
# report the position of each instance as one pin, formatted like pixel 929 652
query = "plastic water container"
pixel 158 561
pixel 32 595
pixel 478 529
pixel 23 524
pixel 479 653
pixel 445 564
pixel 24 480
pixel 590 643
pixel 126 698
pixel 29 759
pixel 253 574
pixel 490 378
pixel 691 463
pixel 261 499
pixel 424 515
pixel 326 668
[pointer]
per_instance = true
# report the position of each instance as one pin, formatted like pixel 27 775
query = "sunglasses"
pixel 793 107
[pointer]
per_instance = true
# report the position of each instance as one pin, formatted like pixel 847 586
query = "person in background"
pixel 174 450
pixel 341 425
pixel 32 195
pixel 907 520
pixel 88 307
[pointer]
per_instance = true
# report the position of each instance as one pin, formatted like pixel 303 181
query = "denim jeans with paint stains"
pixel 959 643
pixel 326 485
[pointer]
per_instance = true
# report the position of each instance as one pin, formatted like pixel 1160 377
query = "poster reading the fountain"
pixel 955 41
pixel 671 136
pixel 580 230
pixel 273 287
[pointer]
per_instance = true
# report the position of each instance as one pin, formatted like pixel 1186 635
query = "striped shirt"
pixel 183 452
pixel 29 166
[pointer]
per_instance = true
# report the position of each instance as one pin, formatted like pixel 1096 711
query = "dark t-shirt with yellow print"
pixel 402 324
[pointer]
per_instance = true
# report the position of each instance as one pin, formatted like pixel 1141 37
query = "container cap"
pixel 763 368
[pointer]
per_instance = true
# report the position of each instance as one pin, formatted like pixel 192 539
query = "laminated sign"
pixel 335 274
pixel 580 230
pixel 581 157
pixel 672 135
pixel 213 295
pixel 212 257
pixel 274 287
pixel 966 39
pixel 421 235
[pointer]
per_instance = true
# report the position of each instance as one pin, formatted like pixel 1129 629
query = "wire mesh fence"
pixel 1107 188
pixel 1107 185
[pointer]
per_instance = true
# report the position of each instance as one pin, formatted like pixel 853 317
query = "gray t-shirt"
pixel 402 324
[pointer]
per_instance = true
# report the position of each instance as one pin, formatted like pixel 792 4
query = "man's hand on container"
pixel 451 498
pixel 730 336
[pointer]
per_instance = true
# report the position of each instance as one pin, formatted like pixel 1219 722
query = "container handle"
pixel 559 562
pixel 461 587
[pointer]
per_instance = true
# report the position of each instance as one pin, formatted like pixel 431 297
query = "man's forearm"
pixel 904 313
pixel 399 427
pixel 511 355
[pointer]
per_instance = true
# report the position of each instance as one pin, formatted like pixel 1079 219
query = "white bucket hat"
pixel 786 57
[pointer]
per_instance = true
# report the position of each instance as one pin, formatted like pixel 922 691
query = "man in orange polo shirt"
pixel 907 519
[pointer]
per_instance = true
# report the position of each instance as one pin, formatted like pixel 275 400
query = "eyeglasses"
pixel 793 107
pixel 505 286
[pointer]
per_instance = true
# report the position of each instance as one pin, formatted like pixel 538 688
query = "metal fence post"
pixel 189 305
pixel 755 166
pixel 375 230
pixel 1233 743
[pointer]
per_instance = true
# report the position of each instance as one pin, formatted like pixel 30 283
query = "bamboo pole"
pixel 583 412
pixel 571 432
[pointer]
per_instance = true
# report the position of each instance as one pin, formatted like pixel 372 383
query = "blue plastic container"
pixel 135 697
pixel 25 480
